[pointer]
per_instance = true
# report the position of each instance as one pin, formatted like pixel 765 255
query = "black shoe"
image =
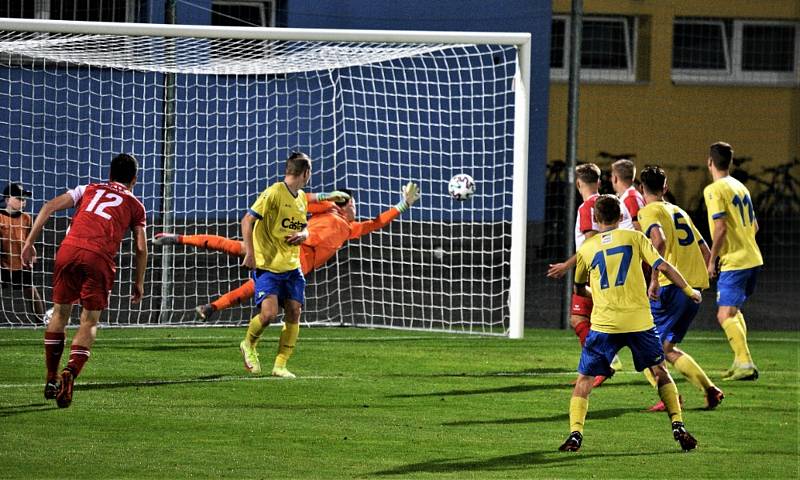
pixel 683 437
pixel 205 312
pixel 64 397
pixel 573 442
pixel 51 389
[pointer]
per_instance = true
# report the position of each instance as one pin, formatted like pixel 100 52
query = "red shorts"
pixel 82 275
pixel 581 306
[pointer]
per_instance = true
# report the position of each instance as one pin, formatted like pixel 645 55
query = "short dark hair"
pixel 298 163
pixel 123 168
pixel 653 179
pixel 347 191
pixel 721 154
pixel 624 169
pixel 607 209
pixel 587 173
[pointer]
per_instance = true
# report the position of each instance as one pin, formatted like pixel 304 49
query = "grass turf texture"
pixel 176 403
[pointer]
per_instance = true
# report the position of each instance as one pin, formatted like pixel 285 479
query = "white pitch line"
pixel 134 383
pixel 444 336
pixel 192 338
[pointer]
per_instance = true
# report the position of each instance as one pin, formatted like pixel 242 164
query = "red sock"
pixel 214 242
pixel 582 330
pixel 78 356
pixel 53 348
pixel 235 297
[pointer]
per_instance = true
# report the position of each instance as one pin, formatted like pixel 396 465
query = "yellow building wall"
pixel 673 125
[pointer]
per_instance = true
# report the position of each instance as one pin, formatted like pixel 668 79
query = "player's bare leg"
pixel 31 294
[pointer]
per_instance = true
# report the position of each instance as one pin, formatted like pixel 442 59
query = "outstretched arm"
pixel 410 194
pixel 61 202
pixel 334 196
pixel 558 270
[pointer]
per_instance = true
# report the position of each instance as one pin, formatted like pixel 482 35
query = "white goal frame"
pixel 521 41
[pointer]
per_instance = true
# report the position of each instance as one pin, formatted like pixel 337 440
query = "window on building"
pixel 243 13
pixel 81 10
pixel 768 47
pixel 736 51
pixel 700 45
pixel 607 48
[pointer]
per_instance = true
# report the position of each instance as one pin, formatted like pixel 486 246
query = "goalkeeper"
pixel 330 226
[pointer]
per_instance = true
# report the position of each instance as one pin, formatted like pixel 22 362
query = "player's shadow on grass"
pixel 523 388
pixel 12 410
pixel 166 347
pixel 482 391
pixel 519 461
pixel 148 383
pixel 561 417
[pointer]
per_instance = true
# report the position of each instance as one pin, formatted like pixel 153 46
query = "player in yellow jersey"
pixel 273 229
pixel 676 239
pixel 621 315
pixel 733 226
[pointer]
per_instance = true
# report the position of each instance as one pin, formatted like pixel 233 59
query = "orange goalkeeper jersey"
pixel 328 230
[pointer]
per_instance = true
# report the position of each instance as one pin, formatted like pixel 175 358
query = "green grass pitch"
pixel 177 403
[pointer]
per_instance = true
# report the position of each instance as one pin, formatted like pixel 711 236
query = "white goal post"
pixel 212 113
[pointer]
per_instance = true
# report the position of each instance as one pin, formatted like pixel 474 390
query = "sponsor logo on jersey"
pixel 293 224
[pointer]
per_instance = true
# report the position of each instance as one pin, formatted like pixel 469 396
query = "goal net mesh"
pixel 212 121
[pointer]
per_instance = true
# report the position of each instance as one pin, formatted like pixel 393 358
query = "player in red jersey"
pixel 622 174
pixel 85 267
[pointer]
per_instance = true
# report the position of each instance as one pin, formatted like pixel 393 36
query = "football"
pixel 461 187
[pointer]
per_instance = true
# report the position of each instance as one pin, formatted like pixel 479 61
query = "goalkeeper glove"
pixel 410 194
pixel 334 196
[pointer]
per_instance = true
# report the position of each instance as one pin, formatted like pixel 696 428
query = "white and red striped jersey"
pixel 584 220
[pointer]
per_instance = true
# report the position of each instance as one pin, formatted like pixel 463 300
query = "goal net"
pixel 212 114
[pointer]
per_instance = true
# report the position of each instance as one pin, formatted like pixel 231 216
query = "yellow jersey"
pixel 619 293
pixel 727 198
pixel 279 214
pixel 682 241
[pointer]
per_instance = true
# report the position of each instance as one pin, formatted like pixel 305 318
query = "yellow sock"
pixel 741 321
pixel 254 331
pixel 286 343
pixel 669 395
pixel 738 340
pixel 692 371
pixel 650 378
pixel 578 406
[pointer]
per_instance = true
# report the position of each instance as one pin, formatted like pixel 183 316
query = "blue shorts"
pixel 673 312
pixel 734 286
pixel 600 349
pixel 287 285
